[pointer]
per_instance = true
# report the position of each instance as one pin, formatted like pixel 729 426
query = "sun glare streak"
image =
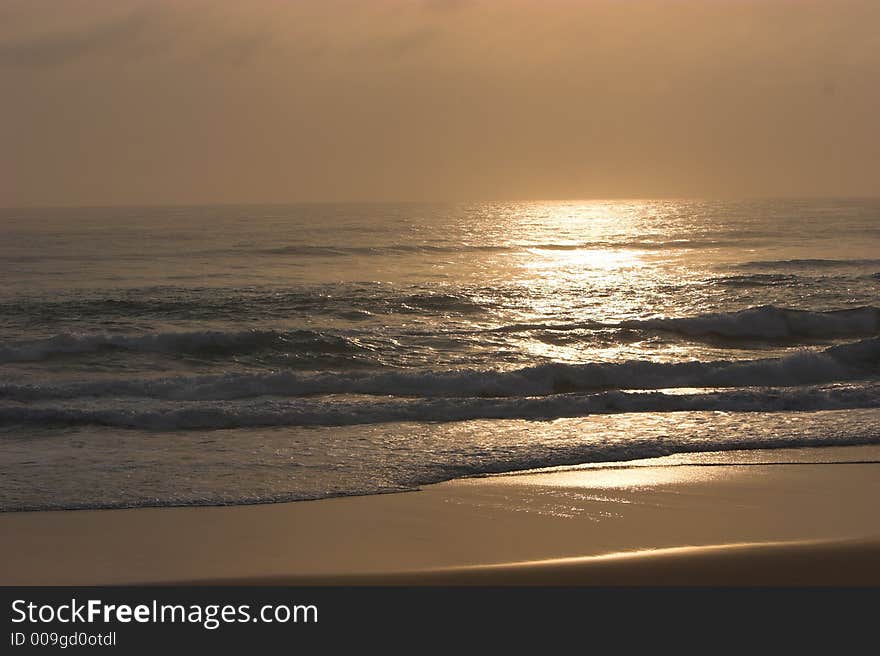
pixel 587 261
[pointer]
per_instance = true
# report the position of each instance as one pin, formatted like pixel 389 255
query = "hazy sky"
pixel 186 101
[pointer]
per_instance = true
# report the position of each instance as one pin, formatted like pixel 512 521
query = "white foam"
pixel 321 412
pixel 855 361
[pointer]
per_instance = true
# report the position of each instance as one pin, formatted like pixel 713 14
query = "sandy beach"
pixel 780 517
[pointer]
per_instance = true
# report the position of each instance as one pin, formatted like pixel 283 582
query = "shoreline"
pixel 782 517
pixel 764 456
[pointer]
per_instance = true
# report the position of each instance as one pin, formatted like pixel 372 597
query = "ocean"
pixel 154 356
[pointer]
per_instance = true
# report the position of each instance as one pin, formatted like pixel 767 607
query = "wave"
pixel 319 412
pixel 762 323
pixel 824 280
pixel 758 280
pixel 403 249
pixel 306 250
pixel 769 322
pixel 203 343
pixel 855 361
pixel 810 263
pixel 230 305
pixel 380 471
pixel 391 249
pixel 765 323
pixel 438 302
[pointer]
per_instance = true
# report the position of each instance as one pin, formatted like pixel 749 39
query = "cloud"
pixel 131 33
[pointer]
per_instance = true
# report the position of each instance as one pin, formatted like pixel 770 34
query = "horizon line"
pixel 594 199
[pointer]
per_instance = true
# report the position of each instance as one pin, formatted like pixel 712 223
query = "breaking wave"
pixel 854 361
pixel 320 412
pixel 769 322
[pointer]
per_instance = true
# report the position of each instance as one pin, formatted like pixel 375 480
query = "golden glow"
pixel 587 262
pixel 238 102
pixel 622 478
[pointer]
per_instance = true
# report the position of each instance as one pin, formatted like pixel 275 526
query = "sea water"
pixel 232 354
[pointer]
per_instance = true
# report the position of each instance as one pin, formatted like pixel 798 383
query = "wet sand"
pixel 783 517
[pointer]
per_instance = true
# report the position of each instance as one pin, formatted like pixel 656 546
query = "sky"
pixel 127 102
